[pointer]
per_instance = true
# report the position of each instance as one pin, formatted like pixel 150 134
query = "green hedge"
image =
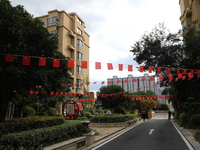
pixel 38 138
pixel 29 123
pixel 113 119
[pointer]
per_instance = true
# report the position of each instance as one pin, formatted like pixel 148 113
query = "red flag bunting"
pixel 97 65
pixel 118 81
pixel 178 71
pixel 130 67
pixel 56 62
pixel 42 61
pixel 151 78
pixel 94 82
pixel 26 60
pixel 170 77
pixel 168 70
pixel 120 67
pixel 9 58
pixel 150 69
pixel 180 76
pixel 110 82
pixel 159 70
pixel 185 71
pixel 161 77
pixel 84 64
pixel 192 71
pixel 141 68
pixel 198 73
pixel 110 66
pixel 183 78
pixel 87 83
pixel 126 80
pixel 143 79
pixel 70 63
pixel 190 75
pixel 135 80
pixel 102 82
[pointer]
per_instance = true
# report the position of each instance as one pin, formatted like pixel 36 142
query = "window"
pixel 78 81
pixel 79 31
pixel 79 56
pixel 78 69
pixel 79 21
pixel 79 43
pixel 53 32
pixel 53 20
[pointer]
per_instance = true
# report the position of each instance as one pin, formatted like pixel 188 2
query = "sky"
pixel 114 26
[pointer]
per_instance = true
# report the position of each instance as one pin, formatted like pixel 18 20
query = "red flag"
pixel 110 82
pixel 120 67
pixel 9 58
pixel 56 62
pixel 84 64
pixel 170 77
pixel 102 82
pixel 87 83
pixel 118 81
pixel 143 79
pixel 130 67
pixel 192 71
pixel 135 80
pixel 168 70
pixel 185 71
pixel 97 65
pixel 151 78
pixel 180 76
pixel 70 63
pixel 159 70
pixel 26 60
pixel 161 77
pixel 141 68
pixel 94 82
pixel 42 61
pixel 183 78
pixel 150 69
pixel 81 84
pixel 126 80
pixel 176 79
pixel 178 71
pixel 190 75
pixel 110 66
pixel 198 73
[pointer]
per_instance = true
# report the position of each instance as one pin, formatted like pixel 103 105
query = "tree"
pixel 22 35
pixel 160 48
pixel 112 97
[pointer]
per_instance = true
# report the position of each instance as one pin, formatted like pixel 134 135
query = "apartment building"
pixel 141 83
pixel 73 42
pixel 190 11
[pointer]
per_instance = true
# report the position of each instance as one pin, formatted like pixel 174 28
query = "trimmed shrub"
pixel 88 115
pixel 52 111
pixel 195 120
pixel 29 123
pixel 113 119
pixel 39 138
pixel 28 111
pixel 184 119
pixel 197 136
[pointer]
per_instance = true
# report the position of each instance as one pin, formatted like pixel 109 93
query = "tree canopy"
pixel 22 35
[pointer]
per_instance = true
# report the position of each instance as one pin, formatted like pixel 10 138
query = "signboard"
pixel 70 110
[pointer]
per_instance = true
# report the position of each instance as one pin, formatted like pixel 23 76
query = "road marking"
pixel 151 131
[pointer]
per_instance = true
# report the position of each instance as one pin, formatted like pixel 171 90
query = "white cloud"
pixel 113 26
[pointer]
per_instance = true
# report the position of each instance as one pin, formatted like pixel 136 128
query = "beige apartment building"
pixel 73 42
pixel 190 11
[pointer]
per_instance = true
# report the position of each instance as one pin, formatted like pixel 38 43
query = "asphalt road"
pixel 150 135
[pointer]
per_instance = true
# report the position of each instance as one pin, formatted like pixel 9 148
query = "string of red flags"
pixel 120 94
pixel 42 61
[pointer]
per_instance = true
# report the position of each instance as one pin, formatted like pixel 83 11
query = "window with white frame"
pixel 79 56
pixel 53 20
pixel 78 81
pixel 79 43
pixel 79 31
pixel 78 69
pixel 79 21
pixel 53 32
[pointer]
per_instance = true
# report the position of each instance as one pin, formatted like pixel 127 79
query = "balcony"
pixel 71 34
pixel 70 47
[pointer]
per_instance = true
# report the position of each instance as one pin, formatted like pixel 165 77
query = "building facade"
pixel 141 83
pixel 73 42
pixel 190 11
